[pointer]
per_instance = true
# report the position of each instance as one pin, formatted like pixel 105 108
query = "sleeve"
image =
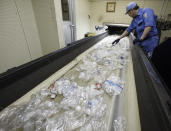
pixel 149 18
pixel 131 27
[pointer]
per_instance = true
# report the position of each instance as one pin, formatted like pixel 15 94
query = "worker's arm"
pixel 145 33
pixel 125 33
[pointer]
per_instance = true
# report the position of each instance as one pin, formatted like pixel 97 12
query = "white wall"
pixel 28 22
pixel 82 20
pixel 19 42
pixel 99 14
pixel 44 11
pixel 156 6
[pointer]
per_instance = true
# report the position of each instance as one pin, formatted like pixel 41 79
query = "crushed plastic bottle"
pixel 120 124
pixel 57 123
pixel 113 85
pixel 74 120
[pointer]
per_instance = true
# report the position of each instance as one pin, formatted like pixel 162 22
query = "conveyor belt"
pixel 152 96
pixel 117 106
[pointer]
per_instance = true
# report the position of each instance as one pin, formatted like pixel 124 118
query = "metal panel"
pixel 67 32
pixel 68 20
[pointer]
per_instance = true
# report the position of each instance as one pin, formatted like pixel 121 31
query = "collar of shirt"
pixel 140 11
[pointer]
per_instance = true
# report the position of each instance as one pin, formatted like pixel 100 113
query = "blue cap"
pixel 131 5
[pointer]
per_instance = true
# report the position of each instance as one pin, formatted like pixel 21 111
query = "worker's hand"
pixel 115 42
pixel 137 40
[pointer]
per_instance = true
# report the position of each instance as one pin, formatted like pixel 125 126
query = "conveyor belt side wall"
pixel 18 81
pixel 152 96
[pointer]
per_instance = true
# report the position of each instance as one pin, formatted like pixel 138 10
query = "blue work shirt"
pixel 144 18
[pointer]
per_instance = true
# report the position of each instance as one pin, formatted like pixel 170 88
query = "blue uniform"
pixel 144 18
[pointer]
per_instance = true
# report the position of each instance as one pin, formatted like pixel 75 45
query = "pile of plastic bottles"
pixel 66 105
pixel 80 108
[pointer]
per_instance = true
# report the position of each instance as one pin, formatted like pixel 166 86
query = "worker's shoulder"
pixel 147 10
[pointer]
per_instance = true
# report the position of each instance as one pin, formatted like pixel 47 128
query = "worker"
pixel 144 22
